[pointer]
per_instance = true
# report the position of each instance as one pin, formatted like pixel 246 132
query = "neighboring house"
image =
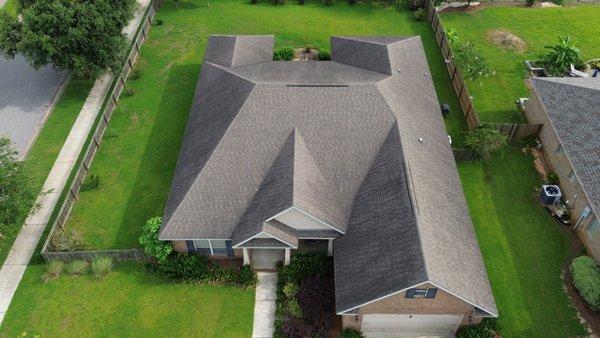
pixel 569 109
pixel 350 154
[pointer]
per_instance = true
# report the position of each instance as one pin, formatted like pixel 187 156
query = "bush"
pixel 553 178
pixel 559 58
pixel 488 328
pixel 559 2
pixel 185 268
pixel 92 182
pixel 317 303
pixel 67 240
pixel 351 333
pixel 76 268
pixel 328 2
pixel 101 266
pixel 53 270
pixel 279 2
pixel 351 2
pixel 285 53
pixel 128 92
pixel 293 308
pixel 135 75
pixel 530 2
pixel 485 141
pixel 254 2
pixel 305 264
pixel 159 22
pixel 151 244
pixel 290 290
pixel 452 35
pixel 472 64
pixel 414 5
pixel 586 278
pixel 324 55
pixel 420 14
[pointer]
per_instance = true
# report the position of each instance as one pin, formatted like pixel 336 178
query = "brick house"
pixel 351 155
pixel 569 109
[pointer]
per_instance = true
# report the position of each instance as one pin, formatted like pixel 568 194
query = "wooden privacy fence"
pixel 514 131
pixel 109 104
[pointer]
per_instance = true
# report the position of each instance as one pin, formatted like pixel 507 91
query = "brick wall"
pixel 558 163
pixel 179 246
pixel 443 303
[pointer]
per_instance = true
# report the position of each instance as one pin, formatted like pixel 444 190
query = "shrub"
pixel 316 299
pixel 285 53
pixel 415 4
pixel 351 2
pixel 351 333
pixel 472 64
pixel 324 55
pixel 77 268
pixel 67 240
pixel 420 14
pixel 559 58
pixel 553 178
pixel 488 328
pixel 293 308
pixel 586 278
pixel 151 244
pixel 101 266
pixel 92 182
pixel 136 75
pixel 279 2
pixel 559 2
pixel 304 264
pixel 128 92
pixel 53 270
pixel 290 290
pixel 301 2
pixel 159 21
pixel 452 35
pixel 183 268
pixel 328 2
pixel 530 2
pixel 247 277
pixel 485 141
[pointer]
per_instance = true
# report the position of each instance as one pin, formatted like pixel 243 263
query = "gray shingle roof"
pixel 573 108
pixel 340 140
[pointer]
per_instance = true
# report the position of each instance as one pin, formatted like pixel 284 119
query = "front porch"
pixel 266 257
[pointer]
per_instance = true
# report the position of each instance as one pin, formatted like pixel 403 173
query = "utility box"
pixel 550 194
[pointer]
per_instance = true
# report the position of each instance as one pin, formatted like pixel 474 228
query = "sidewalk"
pixel 264 306
pixel 24 246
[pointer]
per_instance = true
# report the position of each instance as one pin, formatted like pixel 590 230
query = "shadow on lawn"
pixel 156 168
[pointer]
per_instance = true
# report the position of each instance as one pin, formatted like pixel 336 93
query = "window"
pixel 572 176
pixel 213 247
pixel 559 149
pixel 202 246
pixel 593 230
pixel 219 247
pixel 421 293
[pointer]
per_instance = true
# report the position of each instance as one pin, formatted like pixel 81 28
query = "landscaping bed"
pixel 306 297
pixel 494 97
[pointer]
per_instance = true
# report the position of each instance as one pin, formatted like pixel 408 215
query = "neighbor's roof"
pixel 340 141
pixel 573 108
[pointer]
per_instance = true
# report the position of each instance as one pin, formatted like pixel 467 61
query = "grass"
pixel 45 149
pixel 128 302
pixel 494 98
pixel 139 152
pixel 524 249
pixel 10 7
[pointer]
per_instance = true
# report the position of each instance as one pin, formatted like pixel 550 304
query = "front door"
pixel 266 259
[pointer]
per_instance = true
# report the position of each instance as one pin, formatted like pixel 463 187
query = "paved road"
pixel 26 97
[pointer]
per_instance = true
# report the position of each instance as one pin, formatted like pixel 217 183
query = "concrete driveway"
pixel 26 97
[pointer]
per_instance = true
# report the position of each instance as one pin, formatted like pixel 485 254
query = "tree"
pixel 82 36
pixel 560 57
pixel 484 141
pixel 17 192
pixel 150 242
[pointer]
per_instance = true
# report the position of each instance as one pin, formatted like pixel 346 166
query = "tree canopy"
pixel 17 193
pixel 82 36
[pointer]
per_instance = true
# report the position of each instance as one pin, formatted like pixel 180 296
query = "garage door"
pixel 412 323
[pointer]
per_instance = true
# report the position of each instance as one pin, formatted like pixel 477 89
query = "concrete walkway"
pixel 24 246
pixel 264 306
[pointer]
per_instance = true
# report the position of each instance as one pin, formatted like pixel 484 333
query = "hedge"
pixel 586 278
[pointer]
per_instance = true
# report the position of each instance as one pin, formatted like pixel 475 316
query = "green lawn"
pixel 47 145
pixel 10 6
pixel 139 152
pixel 523 247
pixel 130 302
pixel 494 98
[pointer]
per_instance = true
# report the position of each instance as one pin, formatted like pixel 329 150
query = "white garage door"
pixel 412 323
